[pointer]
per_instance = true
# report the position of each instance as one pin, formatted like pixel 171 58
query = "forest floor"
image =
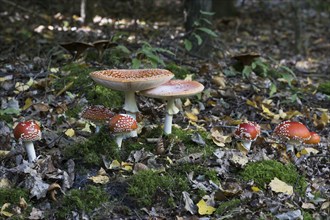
pixel 200 171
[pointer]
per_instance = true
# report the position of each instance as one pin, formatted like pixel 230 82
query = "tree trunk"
pixel 193 15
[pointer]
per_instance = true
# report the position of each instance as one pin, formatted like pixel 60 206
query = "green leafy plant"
pixel 149 55
pixel 201 25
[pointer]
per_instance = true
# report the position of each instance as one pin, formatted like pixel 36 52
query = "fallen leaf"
pixel 255 189
pixel 204 209
pixel 325 205
pixel 22 203
pixel 279 186
pixel 189 204
pixel 70 132
pixel 36 214
pixel 114 165
pixel 308 205
pixel 27 104
pixel 219 138
pixel 309 150
pixel 5 213
pixel 5 183
pixel 100 179
pixel 191 116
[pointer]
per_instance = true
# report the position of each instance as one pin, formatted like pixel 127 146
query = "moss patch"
pixel 86 199
pixel 12 195
pixel 148 187
pixel 99 95
pixel 90 151
pixel 263 172
pixel 227 206
pixel 325 87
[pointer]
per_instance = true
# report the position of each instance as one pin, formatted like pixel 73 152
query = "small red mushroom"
pixel 315 138
pixel 247 132
pixel 292 132
pixel 97 114
pixel 121 125
pixel 27 132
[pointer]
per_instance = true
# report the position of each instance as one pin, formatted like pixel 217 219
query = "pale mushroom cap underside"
pixel 131 79
pixel 175 89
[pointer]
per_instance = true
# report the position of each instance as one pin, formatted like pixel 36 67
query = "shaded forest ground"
pixel 40 80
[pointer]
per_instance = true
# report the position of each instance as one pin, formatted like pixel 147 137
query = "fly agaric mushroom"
pixel 121 125
pixel 170 91
pixel 131 81
pixel 293 133
pixel 27 132
pixel 247 132
pixel 97 114
pixel 315 138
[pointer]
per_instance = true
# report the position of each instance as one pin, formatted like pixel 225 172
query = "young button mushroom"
pixel 315 138
pixel 247 132
pixel 170 91
pixel 131 81
pixel 97 114
pixel 292 132
pixel 121 125
pixel 27 132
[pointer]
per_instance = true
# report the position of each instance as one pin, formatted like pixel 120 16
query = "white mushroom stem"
pixel 247 144
pixel 130 104
pixel 131 107
pixel 29 147
pixel 171 110
pixel 289 147
pixel 119 140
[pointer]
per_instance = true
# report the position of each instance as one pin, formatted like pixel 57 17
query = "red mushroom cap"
pixel 27 131
pixel 315 138
pixel 97 113
pixel 247 131
pixel 292 130
pixel 122 123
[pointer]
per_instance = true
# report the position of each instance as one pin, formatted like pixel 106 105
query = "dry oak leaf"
pixel 279 186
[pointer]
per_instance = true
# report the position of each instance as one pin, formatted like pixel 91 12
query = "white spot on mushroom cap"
pixel 122 123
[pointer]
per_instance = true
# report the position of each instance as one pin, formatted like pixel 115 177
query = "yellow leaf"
pixel 27 104
pixel 252 103
pixel 114 165
pixel 267 111
pixel 5 213
pixel 204 209
pixel 255 189
pixel 70 132
pixel 281 187
pixel 191 116
pixel 101 179
pixel 126 166
pixel 309 150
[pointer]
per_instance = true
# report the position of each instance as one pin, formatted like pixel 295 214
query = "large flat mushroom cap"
pixel 131 79
pixel 174 89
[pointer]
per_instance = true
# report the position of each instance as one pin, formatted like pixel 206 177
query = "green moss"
pixel 307 215
pixel 263 172
pixel 185 136
pixel 183 169
pixel 74 111
pixel 90 151
pixel 227 206
pixel 179 71
pixel 100 95
pixel 12 195
pixel 86 200
pixel 148 187
pixel 325 87
pixel 76 73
